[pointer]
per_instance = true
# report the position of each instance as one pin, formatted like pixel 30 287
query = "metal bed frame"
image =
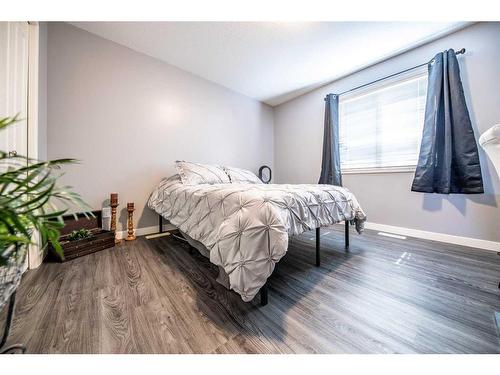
pixel 264 290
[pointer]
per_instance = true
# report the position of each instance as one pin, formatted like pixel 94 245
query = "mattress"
pixel 246 227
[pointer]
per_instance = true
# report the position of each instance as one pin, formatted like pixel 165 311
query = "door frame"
pixel 35 254
pixel 33 60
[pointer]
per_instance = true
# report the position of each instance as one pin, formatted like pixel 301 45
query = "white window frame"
pixel 416 73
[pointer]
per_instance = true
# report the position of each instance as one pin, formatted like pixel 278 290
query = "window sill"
pixel 379 170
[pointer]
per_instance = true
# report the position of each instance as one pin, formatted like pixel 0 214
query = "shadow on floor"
pixel 294 277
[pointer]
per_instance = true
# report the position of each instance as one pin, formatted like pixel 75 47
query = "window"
pixel 380 127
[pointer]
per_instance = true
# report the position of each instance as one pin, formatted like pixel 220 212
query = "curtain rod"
pixel 459 52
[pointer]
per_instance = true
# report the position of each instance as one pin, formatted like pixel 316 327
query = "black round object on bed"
pixel 265 174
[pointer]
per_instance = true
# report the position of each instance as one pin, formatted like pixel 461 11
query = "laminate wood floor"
pixel 385 295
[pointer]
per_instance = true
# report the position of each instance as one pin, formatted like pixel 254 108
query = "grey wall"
pixel 386 197
pixel 127 117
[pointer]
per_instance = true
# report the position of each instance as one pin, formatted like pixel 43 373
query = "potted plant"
pixel 30 200
pixel 79 234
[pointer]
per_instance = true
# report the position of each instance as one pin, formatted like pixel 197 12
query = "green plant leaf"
pixel 28 197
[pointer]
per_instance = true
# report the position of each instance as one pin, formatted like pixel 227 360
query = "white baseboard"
pixel 434 236
pixel 138 232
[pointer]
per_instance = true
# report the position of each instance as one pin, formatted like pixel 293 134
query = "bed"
pixel 244 227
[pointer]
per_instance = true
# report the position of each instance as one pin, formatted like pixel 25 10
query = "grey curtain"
pixel 330 165
pixel 448 160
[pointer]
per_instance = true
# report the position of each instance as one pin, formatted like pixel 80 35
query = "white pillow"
pixel 241 176
pixel 197 173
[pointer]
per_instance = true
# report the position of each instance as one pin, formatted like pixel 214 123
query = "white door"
pixel 14 85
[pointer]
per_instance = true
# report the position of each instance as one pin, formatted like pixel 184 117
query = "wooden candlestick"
pixel 130 222
pixel 113 202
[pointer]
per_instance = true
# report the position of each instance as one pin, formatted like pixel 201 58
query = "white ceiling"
pixel 270 61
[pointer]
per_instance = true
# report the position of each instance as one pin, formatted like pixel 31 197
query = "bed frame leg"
pixel 263 295
pixel 318 257
pixel 160 224
pixel 347 235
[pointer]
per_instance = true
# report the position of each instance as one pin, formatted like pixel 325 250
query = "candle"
pixel 130 222
pixel 113 202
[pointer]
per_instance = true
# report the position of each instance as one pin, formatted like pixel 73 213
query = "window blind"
pixel 381 126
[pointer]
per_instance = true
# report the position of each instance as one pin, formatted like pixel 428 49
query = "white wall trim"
pixel 434 236
pixel 141 231
pixel 35 253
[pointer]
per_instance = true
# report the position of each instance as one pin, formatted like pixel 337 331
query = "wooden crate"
pixel 101 239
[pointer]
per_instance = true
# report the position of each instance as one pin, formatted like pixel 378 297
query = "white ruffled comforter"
pixel 246 226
